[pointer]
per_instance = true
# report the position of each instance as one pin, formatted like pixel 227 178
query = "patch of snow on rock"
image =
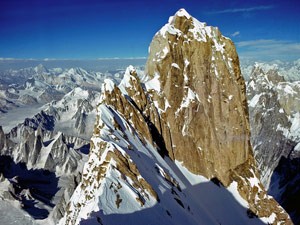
pixel 253 102
pixel 175 65
pixel 108 85
pixel 153 84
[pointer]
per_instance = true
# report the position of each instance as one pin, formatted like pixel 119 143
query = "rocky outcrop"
pixel 190 107
pixel 81 116
pixel 108 164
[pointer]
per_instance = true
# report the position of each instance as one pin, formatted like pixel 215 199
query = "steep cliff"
pixel 201 97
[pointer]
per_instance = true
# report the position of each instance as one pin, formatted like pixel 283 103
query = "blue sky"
pixel 261 29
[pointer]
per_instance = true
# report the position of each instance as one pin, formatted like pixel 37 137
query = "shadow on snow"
pixel 31 187
pixel 204 203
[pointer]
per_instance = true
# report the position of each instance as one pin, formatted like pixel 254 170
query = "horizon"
pixel 109 64
pixel 245 60
pixel 94 30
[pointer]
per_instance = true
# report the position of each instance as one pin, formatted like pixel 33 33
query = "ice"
pixel 284 130
pixel 266 67
pixel 167 104
pixel 161 54
pixel 252 84
pixel 208 30
pixel 197 194
pixel 199 30
pixel 216 71
pixel 165 51
pixel 185 78
pixel 207 196
pixel 171 18
pixel 254 182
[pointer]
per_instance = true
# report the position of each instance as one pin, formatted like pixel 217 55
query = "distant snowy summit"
pixel 170 146
pixel 289 70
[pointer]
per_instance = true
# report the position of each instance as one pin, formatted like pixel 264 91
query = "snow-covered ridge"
pixel 47 119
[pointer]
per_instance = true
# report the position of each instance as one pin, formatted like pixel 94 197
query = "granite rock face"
pixel 201 97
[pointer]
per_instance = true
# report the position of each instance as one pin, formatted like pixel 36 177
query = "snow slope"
pixel 10 215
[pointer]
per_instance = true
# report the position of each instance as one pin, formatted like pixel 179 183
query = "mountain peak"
pixel 189 56
pixel 182 27
pixel 40 69
pixel 183 13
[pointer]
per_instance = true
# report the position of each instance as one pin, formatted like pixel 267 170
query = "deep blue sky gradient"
pixel 103 29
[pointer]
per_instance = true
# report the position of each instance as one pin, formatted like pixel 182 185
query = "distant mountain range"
pixel 289 70
pixel 275 121
pixel 99 65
